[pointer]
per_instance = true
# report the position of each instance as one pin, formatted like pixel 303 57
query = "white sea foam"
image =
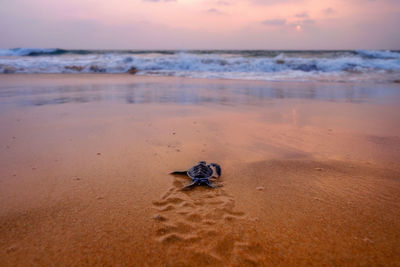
pixel 26 51
pixel 258 65
pixel 379 54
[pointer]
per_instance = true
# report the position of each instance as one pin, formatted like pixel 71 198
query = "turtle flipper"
pixel 210 184
pixel 179 173
pixel 189 186
pixel 217 168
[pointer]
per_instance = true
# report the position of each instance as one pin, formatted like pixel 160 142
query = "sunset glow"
pixel 188 24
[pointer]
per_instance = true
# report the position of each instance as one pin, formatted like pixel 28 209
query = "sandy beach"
pixel 310 172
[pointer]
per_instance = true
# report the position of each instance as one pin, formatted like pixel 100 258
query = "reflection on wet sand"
pixel 145 90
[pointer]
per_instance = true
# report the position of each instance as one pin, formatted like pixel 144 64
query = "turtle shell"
pixel 200 171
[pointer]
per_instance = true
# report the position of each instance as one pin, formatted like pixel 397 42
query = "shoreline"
pixel 139 76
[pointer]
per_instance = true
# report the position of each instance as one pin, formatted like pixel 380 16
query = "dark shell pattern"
pixel 200 171
pixel 200 174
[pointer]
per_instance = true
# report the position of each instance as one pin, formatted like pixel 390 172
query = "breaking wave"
pixel 252 64
pixel 379 54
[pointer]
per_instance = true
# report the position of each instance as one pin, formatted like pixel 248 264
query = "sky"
pixel 200 24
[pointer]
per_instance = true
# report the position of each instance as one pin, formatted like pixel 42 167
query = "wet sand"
pixel 311 172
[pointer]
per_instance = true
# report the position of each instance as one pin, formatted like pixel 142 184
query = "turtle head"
pixel 216 169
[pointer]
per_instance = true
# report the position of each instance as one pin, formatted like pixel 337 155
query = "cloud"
pixel 328 11
pixel 274 22
pixel 308 22
pixel 214 11
pixel 302 23
pixel 302 15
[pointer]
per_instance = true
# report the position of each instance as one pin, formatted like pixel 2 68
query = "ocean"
pixel 268 65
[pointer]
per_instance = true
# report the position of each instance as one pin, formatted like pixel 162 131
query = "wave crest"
pixel 264 65
pixel 379 54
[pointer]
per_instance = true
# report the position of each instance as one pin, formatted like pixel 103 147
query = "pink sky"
pixel 201 24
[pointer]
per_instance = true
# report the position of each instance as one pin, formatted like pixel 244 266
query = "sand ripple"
pixel 204 224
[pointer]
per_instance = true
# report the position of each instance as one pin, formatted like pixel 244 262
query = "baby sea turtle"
pixel 200 174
